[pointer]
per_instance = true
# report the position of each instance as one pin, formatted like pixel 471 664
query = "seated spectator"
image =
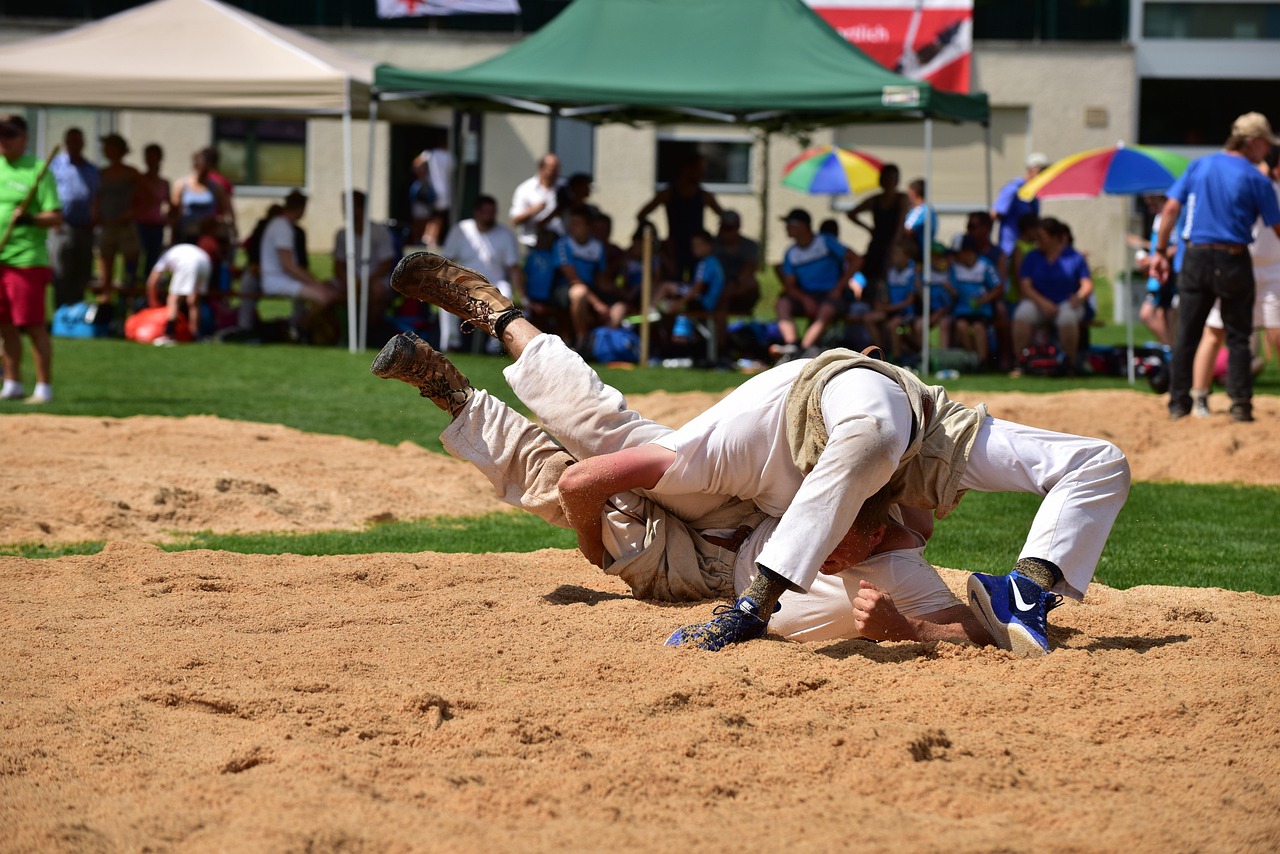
pixel 282 272
pixel 900 326
pixel 740 258
pixel 1056 287
pixel 188 268
pixel 488 247
pixel 543 291
pixel 115 212
pixel 919 213
pixel 942 295
pixel 615 257
pixel 573 194
pixel 977 287
pixel 862 318
pixel 700 295
pixel 381 252
pixel 815 271
pixel 580 260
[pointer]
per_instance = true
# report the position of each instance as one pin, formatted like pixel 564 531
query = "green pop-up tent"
pixel 772 64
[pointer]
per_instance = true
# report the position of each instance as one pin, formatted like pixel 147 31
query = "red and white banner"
pixel 923 39
pixel 416 8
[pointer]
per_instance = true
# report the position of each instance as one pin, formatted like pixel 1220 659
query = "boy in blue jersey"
pixel 977 286
pixel 545 295
pixel 580 258
pixel 1224 194
pixel 897 301
pixel 702 294
pixel 815 270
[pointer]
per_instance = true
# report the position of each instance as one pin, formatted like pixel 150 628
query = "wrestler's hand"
pixel 877 618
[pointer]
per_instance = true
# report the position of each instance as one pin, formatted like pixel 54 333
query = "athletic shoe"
pixel 409 359
pixel 165 341
pixel 1178 413
pixel 1013 608
pixel 40 397
pixel 731 624
pixel 458 290
pixel 1242 412
pixel 1200 407
pixel 13 394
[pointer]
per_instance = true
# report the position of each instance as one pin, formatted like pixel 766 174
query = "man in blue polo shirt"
pixel 1224 194
pixel 815 271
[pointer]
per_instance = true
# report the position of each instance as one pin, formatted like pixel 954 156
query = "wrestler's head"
pixel 865 534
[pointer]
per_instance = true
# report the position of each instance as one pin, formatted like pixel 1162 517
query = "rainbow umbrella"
pixel 1118 171
pixel 828 170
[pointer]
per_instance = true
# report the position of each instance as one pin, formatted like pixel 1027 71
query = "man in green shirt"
pixel 24 260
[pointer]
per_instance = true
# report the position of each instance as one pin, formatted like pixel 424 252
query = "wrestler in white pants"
pixel 524 465
pixel 738 447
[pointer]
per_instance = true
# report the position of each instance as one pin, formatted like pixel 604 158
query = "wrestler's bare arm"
pixel 877 618
pixel 588 484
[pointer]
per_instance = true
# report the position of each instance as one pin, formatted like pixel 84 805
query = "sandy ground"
pixel 207 701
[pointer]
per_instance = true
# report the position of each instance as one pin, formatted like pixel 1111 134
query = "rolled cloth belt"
pixel 731 543
pixel 1230 248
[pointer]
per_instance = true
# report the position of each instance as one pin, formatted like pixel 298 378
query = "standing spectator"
pixel 189 268
pixel 815 269
pixel 534 202
pixel 433 173
pixel 195 199
pixel 282 273
pixel 1056 286
pixel 1010 209
pixel 1265 251
pixel 71 242
pixel 686 201
pixel 382 255
pixel 1158 303
pixel 1224 194
pixel 489 248
pixel 228 230
pixel 740 258
pixel 888 209
pixel 115 209
pixel 152 210
pixel 920 212
pixel 580 258
pixel 24 260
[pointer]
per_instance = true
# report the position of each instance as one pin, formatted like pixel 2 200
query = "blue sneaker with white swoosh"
pixel 1014 610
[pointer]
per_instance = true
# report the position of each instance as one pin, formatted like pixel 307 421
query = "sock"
pixel 767 587
pixel 1041 571
pixel 1199 393
pixel 170 328
pixel 12 387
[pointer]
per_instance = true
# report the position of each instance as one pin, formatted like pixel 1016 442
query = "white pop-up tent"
pixel 198 56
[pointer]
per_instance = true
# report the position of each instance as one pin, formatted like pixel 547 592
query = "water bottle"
pixel 948 374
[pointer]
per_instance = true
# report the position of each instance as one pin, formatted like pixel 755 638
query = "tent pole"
pixel 927 249
pixel 646 292
pixel 348 179
pixel 1128 286
pixel 366 237
pixel 766 138
pixel 986 132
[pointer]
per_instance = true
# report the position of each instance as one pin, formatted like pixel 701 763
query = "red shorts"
pixel 22 294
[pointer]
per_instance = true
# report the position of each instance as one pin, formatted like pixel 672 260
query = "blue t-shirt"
pixel 77 185
pixel 818 266
pixel 540 271
pixel 900 285
pixel 914 223
pixel 1056 280
pixel 971 284
pixel 1223 196
pixel 1009 208
pixel 711 274
pixel 587 259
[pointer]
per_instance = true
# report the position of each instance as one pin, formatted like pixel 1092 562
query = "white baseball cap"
pixel 1038 160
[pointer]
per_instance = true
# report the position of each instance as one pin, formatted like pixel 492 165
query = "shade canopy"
pixel 198 55
pixel 771 63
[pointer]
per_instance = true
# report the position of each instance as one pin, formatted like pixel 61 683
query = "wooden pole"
pixel 646 293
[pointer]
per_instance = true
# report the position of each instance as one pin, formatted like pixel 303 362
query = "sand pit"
pixel 206 701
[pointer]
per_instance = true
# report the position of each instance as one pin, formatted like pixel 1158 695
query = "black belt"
pixel 731 543
pixel 1229 248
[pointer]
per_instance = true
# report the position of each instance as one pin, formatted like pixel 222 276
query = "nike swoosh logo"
pixel 1017 597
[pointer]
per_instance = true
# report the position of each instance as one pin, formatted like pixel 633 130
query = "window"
pixel 1195 112
pixel 268 152
pixel 1051 20
pixel 727 161
pixel 1211 21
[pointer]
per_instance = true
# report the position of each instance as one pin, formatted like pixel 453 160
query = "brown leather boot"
pixel 458 290
pixel 409 359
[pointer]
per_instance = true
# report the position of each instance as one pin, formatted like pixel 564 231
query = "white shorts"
pixel 1029 312
pixel 280 286
pixel 190 279
pixel 1266 302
